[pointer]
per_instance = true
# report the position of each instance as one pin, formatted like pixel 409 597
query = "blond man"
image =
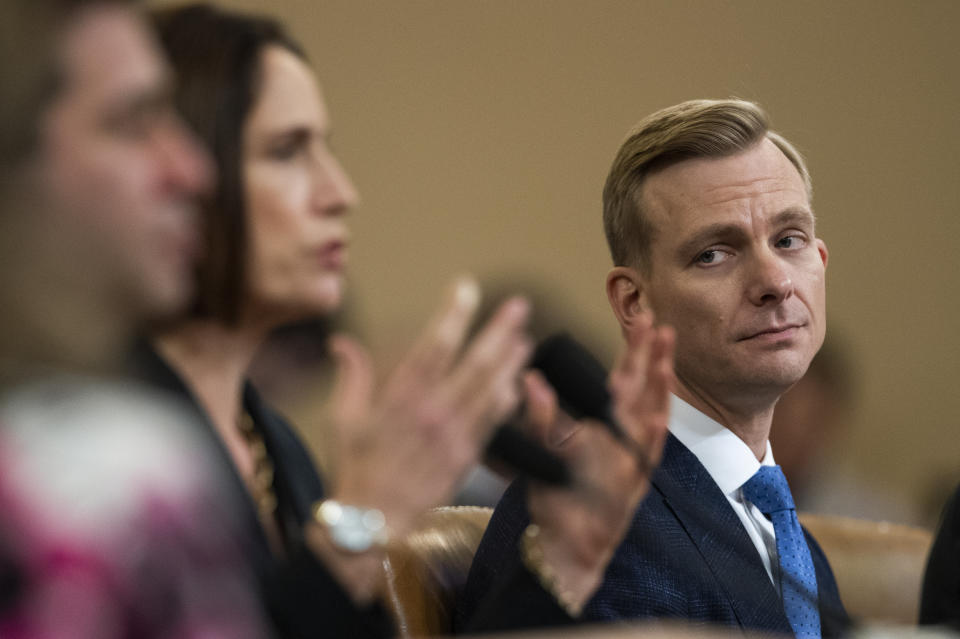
pixel 709 221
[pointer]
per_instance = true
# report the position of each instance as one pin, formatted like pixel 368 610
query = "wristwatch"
pixel 351 528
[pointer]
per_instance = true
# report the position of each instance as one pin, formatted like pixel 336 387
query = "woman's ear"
pixel 626 295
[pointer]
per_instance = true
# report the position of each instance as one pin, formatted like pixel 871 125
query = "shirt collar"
pixel 727 458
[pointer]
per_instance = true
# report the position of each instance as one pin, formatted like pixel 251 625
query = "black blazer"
pixel 940 601
pixel 686 556
pixel 302 597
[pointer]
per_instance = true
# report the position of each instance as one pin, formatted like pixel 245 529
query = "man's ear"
pixel 822 249
pixel 625 292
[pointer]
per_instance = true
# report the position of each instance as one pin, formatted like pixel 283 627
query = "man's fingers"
pixel 654 405
pixel 649 412
pixel 353 391
pixel 541 406
pixel 662 365
pixel 629 382
pixel 631 367
pixel 547 422
pixel 654 398
pixel 641 387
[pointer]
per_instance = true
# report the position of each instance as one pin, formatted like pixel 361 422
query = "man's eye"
pixel 791 242
pixel 140 120
pixel 713 256
pixel 133 126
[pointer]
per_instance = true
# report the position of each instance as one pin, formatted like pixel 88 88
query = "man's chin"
pixel 777 378
pixel 166 302
pixel 766 375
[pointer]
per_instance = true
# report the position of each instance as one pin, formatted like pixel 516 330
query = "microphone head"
pixel 579 380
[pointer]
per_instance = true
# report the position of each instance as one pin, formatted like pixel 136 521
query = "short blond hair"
pixel 692 129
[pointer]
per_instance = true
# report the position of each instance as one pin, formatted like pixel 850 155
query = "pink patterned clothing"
pixel 112 521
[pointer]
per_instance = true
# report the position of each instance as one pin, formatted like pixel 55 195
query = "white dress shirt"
pixel 730 463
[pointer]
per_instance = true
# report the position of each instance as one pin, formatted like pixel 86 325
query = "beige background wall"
pixel 479 134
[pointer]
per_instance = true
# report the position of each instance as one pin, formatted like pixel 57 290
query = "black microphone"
pixel 580 382
pixel 526 456
pixel 559 364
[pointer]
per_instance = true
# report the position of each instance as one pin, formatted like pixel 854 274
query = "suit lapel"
pixel 148 366
pixel 717 533
pixel 834 620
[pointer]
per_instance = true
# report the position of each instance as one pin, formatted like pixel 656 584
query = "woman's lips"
pixel 333 255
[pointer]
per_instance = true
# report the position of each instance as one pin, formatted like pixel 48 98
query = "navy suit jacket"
pixel 940 600
pixel 686 556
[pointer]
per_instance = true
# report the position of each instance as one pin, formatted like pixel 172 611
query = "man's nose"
pixel 187 166
pixel 769 279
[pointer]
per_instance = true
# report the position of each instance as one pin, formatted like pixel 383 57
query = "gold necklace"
pixel 262 486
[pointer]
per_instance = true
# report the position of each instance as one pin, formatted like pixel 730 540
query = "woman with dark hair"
pixel 276 250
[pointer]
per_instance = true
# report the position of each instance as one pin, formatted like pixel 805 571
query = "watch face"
pixel 351 528
pixel 352 538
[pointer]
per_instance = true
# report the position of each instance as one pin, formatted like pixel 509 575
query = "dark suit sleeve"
pixel 500 593
pixel 304 598
pixel 307 602
pixel 517 602
pixel 940 599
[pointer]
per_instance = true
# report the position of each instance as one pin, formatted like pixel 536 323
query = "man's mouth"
pixel 773 332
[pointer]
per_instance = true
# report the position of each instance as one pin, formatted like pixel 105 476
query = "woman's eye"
pixel 285 151
pixel 288 147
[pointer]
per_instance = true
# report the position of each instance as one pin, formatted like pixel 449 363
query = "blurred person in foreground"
pixel 112 521
pixel 708 217
pixel 277 248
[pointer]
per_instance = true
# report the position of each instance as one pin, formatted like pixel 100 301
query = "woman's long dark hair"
pixel 216 57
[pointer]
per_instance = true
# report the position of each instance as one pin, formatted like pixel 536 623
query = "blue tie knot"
pixel 768 490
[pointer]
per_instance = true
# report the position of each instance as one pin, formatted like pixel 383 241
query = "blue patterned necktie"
pixel 768 491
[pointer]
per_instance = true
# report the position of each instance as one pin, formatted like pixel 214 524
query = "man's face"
pixel 116 170
pixel 737 270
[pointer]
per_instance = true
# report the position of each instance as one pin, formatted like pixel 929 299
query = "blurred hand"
pixel 404 447
pixel 581 527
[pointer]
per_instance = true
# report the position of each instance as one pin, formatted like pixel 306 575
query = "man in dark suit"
pixel 708 216
pixel 940 598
